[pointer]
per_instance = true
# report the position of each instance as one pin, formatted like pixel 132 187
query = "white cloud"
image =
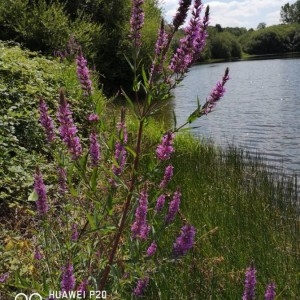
pixel 243 13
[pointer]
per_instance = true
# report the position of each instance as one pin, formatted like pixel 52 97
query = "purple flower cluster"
pixel 136 21
pixel 140 228
pixel 46 121
pixel 94 149
pixel 75 233
pixel 185 241
pixel 4 277
pixel 83 74
pixel 167 177
pixel 193 42
pixel 160 46
pixel 152 249
pixel 181 13
pixel 141 287
pixel 120 158
pixel 173 207
pixel 62 180
pixel 37 254
pixel 93 118
pixel 165 148
pixel 160 202
pixel 216 93
pixel 270 291
pixel 250 282
pixel 68 278
pixel 83 286
pixel 67 128
pixel 40 189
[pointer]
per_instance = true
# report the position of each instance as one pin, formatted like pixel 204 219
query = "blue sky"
pixel 235 13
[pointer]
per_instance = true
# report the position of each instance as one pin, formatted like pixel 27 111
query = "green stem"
pixel 125 209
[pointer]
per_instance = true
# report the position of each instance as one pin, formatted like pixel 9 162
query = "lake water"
pixel 260 110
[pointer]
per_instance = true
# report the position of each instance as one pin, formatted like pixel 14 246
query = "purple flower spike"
pixel 167 177
pixel 120 158
pixel 136 21
pixel 46 121
pixel 141 287
pixel 93 118
pixel 4 277
pixel 67 128
pixel 152 249
pixel 160 202
pixel 83 286
pixel 83 74
pixel 185 241
pixel 216 93
pixel 140 228
pixel 75 233
pixel 173 207
pixel 181 14
pixel 68 278
pixel 94 149
pixel 250 282
pixel 40 189
pixel 165 148
pixel 37 254
pixel 270 291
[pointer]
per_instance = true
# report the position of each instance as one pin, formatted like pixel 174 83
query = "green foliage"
pixel 225 45
pixel 290 13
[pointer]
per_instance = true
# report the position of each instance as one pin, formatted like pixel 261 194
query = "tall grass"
pixel 242 213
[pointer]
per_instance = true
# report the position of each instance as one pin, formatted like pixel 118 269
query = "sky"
pixel 235 13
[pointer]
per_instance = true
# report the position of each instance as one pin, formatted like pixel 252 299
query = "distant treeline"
pixel 101 28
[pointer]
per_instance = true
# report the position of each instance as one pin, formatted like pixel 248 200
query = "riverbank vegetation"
pixel 97 206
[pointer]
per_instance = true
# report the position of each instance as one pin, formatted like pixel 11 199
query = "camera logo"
pixel 34 296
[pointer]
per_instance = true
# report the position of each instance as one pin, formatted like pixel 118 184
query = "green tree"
pixel 290 13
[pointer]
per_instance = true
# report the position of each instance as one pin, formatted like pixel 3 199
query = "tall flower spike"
pixel 167 177
pixel 216 94
pixel 94 149
pixel 185 241
pixel 181 14
pixel 173 207
pixel 141 287
pixel 46 121
pixel 250 282
pixel 165 148
pixel 160 202
pixel 83 74
pixel 40 189
pixel 67 128
pixel 270 291
pixel 68 278
pixel 152 249
pixel 140 228
pixel 136 21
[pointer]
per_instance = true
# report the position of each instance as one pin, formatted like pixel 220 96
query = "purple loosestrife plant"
pixel 83 74
pixel 140 229
pixel 141 287
pixel 68 278
pixel 37 254
pixel 40 189
pixel 250 282
pixel 173 207
pixel 152 249
pixel 185 241
pixel 4 277
pixel 94 149
pixel 67 128
pixel 46 121
pixel 181 13
pixel 160 202
pixel 165 148
pixel 62 180
pixel 270 291
pixel 83 286
pixel 75 233
pixel 167 177
pixel 136 22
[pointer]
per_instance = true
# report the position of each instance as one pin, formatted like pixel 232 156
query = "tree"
pixel 290 13
pixel 261 25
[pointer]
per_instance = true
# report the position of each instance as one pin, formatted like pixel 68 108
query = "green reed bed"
pixel 242 213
